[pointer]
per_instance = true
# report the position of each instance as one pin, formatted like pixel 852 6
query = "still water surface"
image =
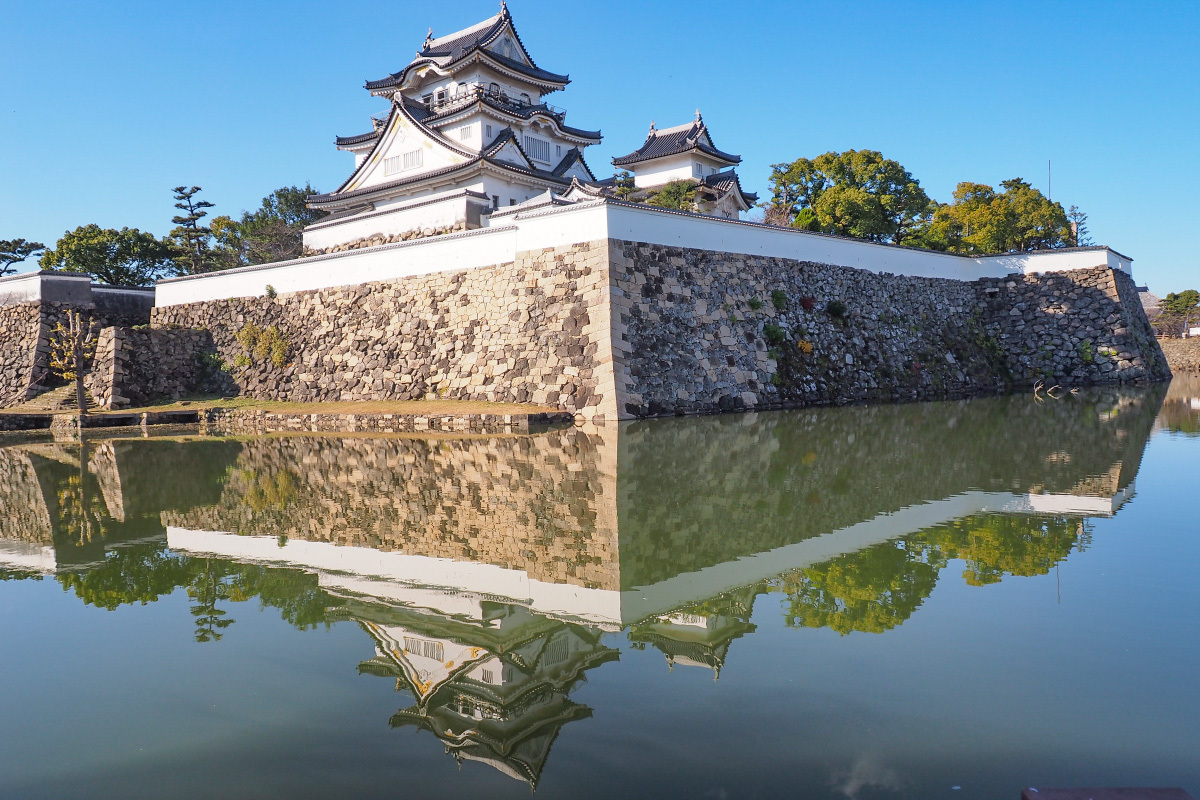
pixel 939 601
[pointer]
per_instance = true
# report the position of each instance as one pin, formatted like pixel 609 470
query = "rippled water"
pixel 936 600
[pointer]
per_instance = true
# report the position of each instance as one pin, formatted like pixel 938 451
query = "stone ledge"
pixel 256 421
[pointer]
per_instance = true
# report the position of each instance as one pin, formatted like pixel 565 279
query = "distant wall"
pixel 1182 354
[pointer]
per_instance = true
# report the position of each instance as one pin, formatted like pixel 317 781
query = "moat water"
pixel 942 600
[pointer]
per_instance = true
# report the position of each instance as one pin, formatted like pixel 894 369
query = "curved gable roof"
pixel 674 141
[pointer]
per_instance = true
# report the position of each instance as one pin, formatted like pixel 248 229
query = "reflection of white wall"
pixel 455 588
pixel 28 556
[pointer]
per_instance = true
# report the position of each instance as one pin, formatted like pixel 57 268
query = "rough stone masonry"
pixel 613 328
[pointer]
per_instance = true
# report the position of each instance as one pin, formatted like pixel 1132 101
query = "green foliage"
pixel 679 195
pixel 271 293
pixel 806 220
pixel 126 257
pixel 774 334
pixel 779 299
pixel 836 309
pixel 262 344
pixel 857 193
pixel 1087 351
pixel 190 237
pixel 623 185
pixel 1080 235
pixel 981 220
pixel 1181 303
pixel 14 251
pixel 210 364
pixel 273 232
pixel 755 303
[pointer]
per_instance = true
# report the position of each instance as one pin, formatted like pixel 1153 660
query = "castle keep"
pixel 473 254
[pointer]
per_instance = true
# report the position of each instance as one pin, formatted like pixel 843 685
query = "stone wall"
pixel 533 331
pixel 685 331
pixel 136 366
pixel 1080 328
pixel 698 331
pixel 20 327
pixel 25 334
pixel 1182 354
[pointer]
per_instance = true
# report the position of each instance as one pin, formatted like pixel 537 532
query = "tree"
pixel 274 232
pixel 72 345
pixel 623 184
pixel 14 251
pixel 857 193
pixel 1177 312
pixel 981 220
pixel 191 237
pixel 126 257
pixel 679 195
pixel 1080 235
pixel 1181 303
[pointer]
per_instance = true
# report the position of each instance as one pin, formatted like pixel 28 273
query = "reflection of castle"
pixel 700 636
pixel 501 703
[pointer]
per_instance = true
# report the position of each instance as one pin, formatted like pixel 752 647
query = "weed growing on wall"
pixel 755 303
pixel 1087 351
pixel 779 299
pixel 774 334
pixel 262 344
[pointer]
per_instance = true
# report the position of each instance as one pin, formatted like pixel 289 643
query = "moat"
pixel 953 599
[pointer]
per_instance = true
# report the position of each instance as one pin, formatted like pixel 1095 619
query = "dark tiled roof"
pixel 345 141
pixel 522 112
pixel 454 47
pixel 673 142
pixel 573 155
pixel 722 182
pixel 331 197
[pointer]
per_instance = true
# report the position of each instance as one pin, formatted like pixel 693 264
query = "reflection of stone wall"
pixel 542 504
pixel 644 501
pixel 24 515
pixel 711 489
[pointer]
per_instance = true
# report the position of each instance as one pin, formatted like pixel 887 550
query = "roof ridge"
pixel 478 26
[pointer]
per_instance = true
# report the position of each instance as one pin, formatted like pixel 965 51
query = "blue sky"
pixel 104 106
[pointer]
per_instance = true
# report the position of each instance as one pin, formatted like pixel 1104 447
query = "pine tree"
pixel 14 251
pixel 1080 235
pixel 190 236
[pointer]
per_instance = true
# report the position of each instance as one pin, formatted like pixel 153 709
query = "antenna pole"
pixel 1049 185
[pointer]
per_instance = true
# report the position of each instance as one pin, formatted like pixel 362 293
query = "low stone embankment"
pixel 237 421
pixel 1182 354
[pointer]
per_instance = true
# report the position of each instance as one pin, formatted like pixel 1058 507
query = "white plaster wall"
pixel 1058 261
pixel 386 262
pixel 590 221
pixel 641 224
pixel 28 287
pixel 438 214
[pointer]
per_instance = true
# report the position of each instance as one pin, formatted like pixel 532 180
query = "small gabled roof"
pixel 674 141
pixel 350 141
pixel 573 155
pixel 727 181
pixel 446 51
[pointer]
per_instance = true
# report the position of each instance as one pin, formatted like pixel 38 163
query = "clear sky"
pixel 106 106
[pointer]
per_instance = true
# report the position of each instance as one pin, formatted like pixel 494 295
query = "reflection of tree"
pixel 143 572
pixel 996 545
pixel 208 587
pixel 872 590
pixel 876 589
pixel 269 491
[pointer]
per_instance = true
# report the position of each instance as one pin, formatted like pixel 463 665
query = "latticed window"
pixel 538 149
pixel 423 647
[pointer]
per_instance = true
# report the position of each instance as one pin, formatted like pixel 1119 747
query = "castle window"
pixel 466 132
pixel 400 163
pixel 537 149
pixel 558 151
pixel 494 89
pixel 525 98
pixel 488 128
pixel 495 201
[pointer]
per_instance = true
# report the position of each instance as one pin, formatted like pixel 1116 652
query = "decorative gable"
pixel 405 149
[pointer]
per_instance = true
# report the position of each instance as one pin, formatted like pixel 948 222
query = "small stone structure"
pixel 32 304
pixel 134 366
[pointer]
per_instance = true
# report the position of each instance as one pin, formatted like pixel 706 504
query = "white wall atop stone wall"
pixel 590 221
pixel 401 260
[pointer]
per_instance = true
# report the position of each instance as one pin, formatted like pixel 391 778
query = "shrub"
pixel 779 299
pixel 836 309
pixel 262 344
pixel 755 303
pixel 1086 351
pixel 807 302
pixel 271 293
pixel 774 334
